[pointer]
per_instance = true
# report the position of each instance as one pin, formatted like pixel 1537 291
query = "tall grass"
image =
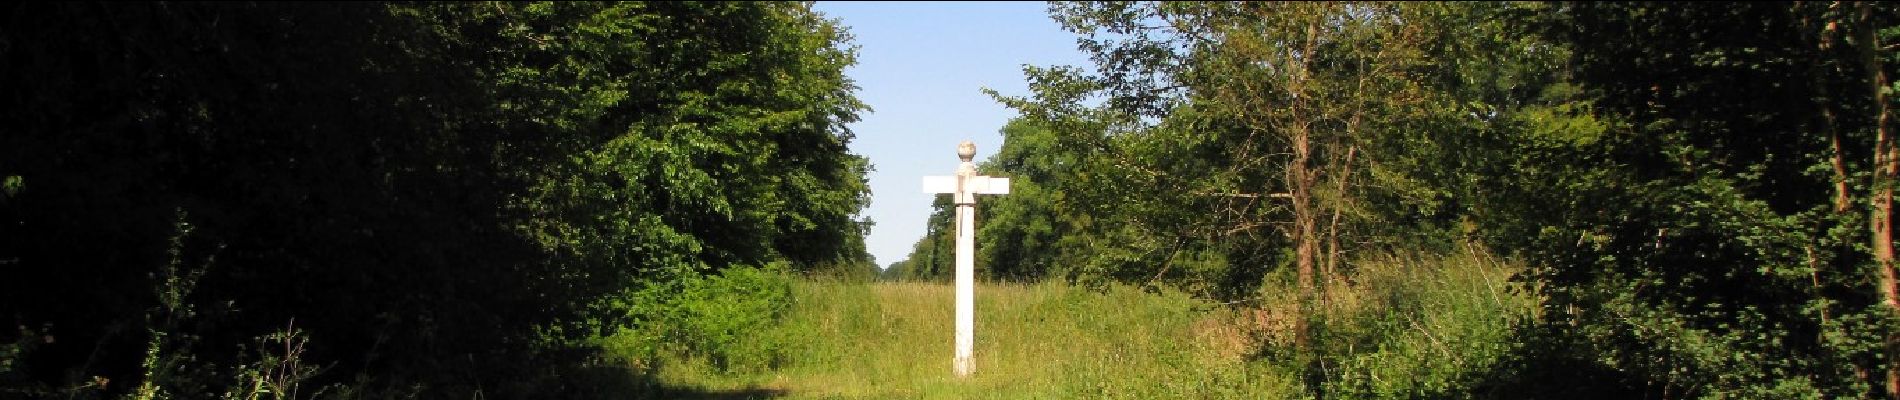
pixel 893 340
pixel 1399 326
pixel 1412 326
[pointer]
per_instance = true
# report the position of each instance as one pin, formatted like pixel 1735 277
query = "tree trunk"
pixel 1843 199
pixel 1821 73
pixel 1332 228
pixel 1300 182
pixel 1886 166
pixel 1299 179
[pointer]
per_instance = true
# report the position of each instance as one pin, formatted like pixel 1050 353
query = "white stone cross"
pixel 966 184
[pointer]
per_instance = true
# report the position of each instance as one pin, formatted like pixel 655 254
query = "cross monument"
pixel 965 185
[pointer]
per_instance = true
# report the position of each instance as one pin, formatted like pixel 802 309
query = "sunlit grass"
pixel 1427 322
pixel 893 340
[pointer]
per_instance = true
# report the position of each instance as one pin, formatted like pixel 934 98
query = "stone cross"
pixel 965 185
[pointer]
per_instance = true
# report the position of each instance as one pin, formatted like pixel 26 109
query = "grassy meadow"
pixel 1401 328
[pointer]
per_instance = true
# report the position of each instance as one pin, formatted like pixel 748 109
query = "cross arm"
pixel 980 184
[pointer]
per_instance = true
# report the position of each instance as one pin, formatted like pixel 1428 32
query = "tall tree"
pixel 1265 121
pixel 438 194
pixel 1682 205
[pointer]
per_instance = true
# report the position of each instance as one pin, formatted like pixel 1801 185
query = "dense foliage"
pixel 436 196
pixel 1702 191
pixel 1713 224
pixel 476 199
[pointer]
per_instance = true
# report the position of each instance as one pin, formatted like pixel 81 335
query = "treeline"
pixel 434 200
pixel 1703 192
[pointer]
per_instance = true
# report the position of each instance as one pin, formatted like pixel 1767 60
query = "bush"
pixel 727 320
pixel 1404 326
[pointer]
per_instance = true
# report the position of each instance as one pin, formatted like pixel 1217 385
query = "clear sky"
pixel 921 68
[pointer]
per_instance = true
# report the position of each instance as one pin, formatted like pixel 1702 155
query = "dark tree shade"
pixel 435 193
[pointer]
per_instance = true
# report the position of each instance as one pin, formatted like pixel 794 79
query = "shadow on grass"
pixel 615 382
pixel 588 376
pixel 1546 363
pixel 731 394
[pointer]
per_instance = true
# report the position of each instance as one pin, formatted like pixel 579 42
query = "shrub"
pixel 1404 326
pixel 728 320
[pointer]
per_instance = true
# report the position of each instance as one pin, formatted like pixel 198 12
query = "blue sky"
pixel 921 68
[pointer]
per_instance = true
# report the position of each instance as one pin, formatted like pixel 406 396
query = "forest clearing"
pixel 609 200
pixel 1408 328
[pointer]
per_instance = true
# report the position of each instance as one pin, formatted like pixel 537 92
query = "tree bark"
pixel 1332 228
pixel 1843 199
pixel 1886 166
pixel 1300 179
pixel 1821 73
pixel 1304 222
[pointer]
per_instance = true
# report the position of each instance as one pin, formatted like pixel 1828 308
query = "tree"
pixel 1681 201
pixel 1229 127
pixel 438 194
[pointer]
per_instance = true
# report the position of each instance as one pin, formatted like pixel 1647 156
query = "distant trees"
pixel 434 193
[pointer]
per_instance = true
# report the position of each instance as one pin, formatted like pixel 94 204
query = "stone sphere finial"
pixel 966 151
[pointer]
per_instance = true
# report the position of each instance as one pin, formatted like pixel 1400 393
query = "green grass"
pixel 1402 327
